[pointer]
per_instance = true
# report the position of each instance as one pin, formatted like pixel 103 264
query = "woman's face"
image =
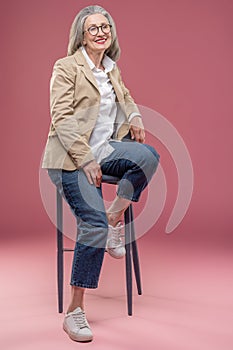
pixel 101 40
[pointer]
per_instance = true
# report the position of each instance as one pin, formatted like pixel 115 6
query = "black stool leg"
pixel 135 253
pixel 60 252
pixel 128 261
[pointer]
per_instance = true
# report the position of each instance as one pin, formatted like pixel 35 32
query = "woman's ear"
pixel 84 42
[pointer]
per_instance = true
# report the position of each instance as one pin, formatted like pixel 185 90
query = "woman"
pixel 92 111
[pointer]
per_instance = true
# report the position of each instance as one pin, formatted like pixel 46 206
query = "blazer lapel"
pixel 81 61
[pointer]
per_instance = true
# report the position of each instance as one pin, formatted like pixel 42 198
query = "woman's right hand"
pixel 93 173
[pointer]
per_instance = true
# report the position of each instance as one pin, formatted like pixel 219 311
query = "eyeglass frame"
pixel 98 28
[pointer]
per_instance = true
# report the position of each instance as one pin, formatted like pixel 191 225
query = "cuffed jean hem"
pixel 81 285
pixel 129 198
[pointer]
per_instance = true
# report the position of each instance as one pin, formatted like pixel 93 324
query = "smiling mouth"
pixel 101 41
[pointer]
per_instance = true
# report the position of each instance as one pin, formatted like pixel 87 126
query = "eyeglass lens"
pixel 94 30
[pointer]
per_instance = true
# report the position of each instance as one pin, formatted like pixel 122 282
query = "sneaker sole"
pixel 112 254
pixel 82 339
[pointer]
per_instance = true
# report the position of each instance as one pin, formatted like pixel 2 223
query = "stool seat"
pixel 130 247
pixel 112 180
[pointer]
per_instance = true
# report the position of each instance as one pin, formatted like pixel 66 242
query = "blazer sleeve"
pixel 62 87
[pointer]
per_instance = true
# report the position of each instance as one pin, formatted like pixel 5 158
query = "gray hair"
pixel 76 31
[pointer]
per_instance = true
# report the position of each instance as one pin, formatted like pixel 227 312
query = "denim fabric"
pixel 135 164
pixel 91 222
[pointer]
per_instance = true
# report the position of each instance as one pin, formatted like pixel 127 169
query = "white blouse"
pixel 104 127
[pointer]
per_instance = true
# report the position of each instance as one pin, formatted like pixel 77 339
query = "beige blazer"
pixel 74 105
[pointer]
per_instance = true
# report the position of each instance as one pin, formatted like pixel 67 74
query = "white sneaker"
pixel 115 245
pixel 76 326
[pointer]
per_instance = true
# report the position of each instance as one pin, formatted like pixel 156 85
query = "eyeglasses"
pixel 94 30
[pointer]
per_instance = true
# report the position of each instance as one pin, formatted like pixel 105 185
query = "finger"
pixel 132 133
pixel 137 134
pixel 94 177
pixel 99 178
pixel 142 136
pixel 89 178
pixel 98 182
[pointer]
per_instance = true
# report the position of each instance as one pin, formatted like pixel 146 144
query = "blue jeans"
pixel 135 164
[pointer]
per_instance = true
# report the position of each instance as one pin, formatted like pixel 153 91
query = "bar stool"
pixel 130 246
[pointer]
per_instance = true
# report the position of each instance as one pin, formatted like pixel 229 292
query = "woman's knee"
pixel 150 160
pixel 153 151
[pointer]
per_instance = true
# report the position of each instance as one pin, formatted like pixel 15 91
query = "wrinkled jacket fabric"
pixel 74 106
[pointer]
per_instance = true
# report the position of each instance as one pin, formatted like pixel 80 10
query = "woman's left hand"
pixel 137 130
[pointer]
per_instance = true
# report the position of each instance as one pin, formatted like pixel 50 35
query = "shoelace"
pixel 80 320
pixel 116 236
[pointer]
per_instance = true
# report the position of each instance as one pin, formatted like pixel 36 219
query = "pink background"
pixel 176 59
